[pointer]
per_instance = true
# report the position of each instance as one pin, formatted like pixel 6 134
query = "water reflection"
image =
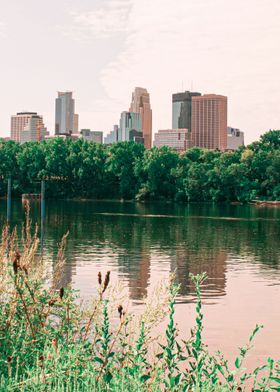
pixel 137 240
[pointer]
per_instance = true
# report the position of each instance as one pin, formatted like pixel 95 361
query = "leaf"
pixel 275 379
pixel 145 377
pixel 97 359
pixel 238 362
pixel 107 377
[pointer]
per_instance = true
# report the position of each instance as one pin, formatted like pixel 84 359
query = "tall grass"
pixel 48 342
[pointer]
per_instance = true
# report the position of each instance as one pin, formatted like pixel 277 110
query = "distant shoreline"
pixel 257 203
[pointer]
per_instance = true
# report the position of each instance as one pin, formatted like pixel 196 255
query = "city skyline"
pixel 197 45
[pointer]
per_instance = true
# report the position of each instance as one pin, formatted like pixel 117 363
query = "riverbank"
pixel 274 203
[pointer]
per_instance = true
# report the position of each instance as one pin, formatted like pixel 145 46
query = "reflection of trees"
pixel 191 243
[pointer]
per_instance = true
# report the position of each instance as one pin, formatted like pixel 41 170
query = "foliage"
pixel 82 169
pixel 48 342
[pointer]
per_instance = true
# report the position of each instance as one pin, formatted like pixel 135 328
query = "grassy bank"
pixel 51 341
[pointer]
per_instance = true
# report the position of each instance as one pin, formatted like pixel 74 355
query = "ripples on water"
pixel 238 247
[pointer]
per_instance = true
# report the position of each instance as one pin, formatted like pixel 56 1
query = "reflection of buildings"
pixel 211 261
pixel 142 250
pixel 136 270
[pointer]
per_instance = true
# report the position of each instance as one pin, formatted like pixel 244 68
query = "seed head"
pixel 99 278
pixel 106 281
pixel 16 262
pixel 61 292
pixel 120 310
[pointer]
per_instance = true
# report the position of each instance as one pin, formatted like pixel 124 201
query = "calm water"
pixel 238 247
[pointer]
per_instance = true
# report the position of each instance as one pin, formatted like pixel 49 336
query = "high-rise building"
pixel 75 123
pixel 22 120
pixel 141 104
pixel 113 136
pixel 92 136
pixel 209 121
pixel 136 136
pixel 129 121
pixel 235 138
pixel 34 130
pixel 180 139
pixel 182 110
pixel 64 113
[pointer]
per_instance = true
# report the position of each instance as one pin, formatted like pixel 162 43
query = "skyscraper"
pixel 129 121
pixel 34 130
pixel 20 121
pixel 182 110
pixel 140 103
pixel 75 123
pixel 64 113
pixel 209 121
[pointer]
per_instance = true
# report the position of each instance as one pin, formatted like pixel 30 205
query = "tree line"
pixel 125 170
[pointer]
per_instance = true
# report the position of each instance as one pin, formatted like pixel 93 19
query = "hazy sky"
pixel 102 49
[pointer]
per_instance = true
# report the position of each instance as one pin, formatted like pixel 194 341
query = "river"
pixel 141 244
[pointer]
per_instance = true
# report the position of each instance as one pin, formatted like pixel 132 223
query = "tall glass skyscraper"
pixel 182 110
pixel 64 113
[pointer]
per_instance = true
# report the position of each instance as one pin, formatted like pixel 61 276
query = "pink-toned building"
pixel 75 123
pixel 141 104
pixel 180 139
pixel 18 122
pixel 209 121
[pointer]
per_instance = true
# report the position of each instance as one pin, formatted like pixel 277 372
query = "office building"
pixel 75 123
pixel 18 122
pixel 209 121
pixel 182 110
pixel 129 121
pixel 136 136
pixel 113 136
pixel 92 136
pixel 65 120
pixel 141 104
pixel 235 138
pixel 34 130
pixel 180 139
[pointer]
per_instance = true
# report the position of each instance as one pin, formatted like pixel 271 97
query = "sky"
pixel 102 49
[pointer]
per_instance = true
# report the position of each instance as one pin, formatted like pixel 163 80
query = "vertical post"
pixel 9 199
pixel 43 188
